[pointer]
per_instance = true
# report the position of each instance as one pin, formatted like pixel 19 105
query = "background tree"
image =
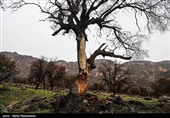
pixel 60 76
pixel 7 68
pixel 161 87
pixel 51 72
pixel 39 71
pixel 77 16
pixel 42 71
pixel 115 76
pixel 56 74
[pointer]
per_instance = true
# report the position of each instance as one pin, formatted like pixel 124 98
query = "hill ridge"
pixel 142 71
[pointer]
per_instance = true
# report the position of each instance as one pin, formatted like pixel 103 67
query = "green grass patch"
pixel 127 98
pixel 18 97
pixel 14 95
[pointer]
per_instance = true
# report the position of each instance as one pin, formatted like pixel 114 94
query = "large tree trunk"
pixel 81 54
pixel 78 87
pixel 83 76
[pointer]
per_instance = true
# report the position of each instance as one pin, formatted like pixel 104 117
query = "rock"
pixel 44 105
pixel 118 100
pixel 112 95
pixel 97 103
pixel 23 87
pixel 164 98
pixel 3 109
pixel 30 108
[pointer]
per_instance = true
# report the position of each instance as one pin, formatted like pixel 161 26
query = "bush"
pixel 21 80
pixel 69 79
pixel 139 90
pixel 161 87
pixel 96 86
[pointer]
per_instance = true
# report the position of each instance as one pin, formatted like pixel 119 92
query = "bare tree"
pixel 76 17
pixel 56 74
pixel 42 71
pixel 39 71
pixel 7 67
pixel 115 76
pixel 53 68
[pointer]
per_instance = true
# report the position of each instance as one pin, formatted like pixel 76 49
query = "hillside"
pixel 150 70
pixel 22 61
pixel 141 71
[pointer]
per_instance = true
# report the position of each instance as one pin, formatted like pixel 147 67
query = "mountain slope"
pixel 22 61
pixel 141 71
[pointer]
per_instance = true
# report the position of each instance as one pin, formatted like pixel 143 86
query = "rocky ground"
pixel 91 104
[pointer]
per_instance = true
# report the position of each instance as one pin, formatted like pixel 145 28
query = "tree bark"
pixel 84 67
pixel 81 54
pixel 81 81
pixel 79 85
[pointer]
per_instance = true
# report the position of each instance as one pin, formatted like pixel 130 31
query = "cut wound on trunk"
pixel 81 82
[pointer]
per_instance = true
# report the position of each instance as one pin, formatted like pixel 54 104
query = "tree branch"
pixel 104 53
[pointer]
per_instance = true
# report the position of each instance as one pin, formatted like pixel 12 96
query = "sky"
pixel 24 33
